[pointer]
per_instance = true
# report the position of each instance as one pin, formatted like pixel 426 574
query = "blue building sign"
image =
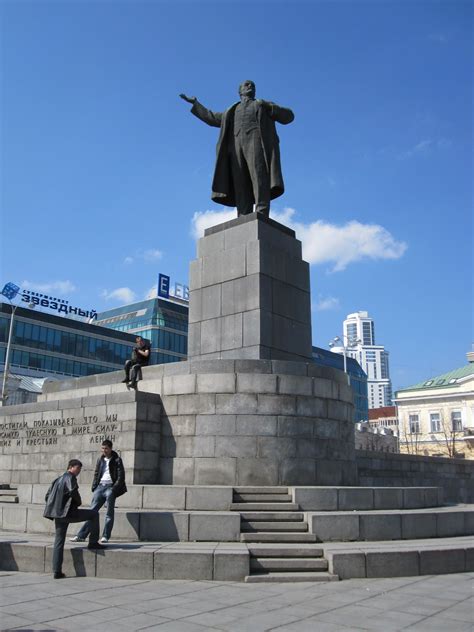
pixel 164 286
pixel 10 290
pixel 165 290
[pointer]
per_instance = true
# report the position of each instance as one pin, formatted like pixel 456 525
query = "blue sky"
pixel 106 175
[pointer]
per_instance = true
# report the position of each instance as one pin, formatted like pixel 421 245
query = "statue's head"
pixel 247 89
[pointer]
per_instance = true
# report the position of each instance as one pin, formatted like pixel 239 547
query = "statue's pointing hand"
pixel 191 100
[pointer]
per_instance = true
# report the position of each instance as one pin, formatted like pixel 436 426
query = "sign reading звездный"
pixel 51 432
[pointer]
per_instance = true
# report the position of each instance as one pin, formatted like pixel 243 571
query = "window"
pixel 367 334
pixel 456 420
pixel 435 422
pixel 414 422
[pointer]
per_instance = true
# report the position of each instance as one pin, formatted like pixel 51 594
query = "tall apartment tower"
pixel 359 336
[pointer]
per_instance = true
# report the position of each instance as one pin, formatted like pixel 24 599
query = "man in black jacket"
pixel 107 485
pixel 62 505
pixel 140 358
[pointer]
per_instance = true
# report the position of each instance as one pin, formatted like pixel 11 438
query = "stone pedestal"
pixel 249 407
pixel 249 293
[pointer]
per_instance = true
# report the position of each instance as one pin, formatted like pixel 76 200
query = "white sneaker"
pixel 103 540
pixel 76 538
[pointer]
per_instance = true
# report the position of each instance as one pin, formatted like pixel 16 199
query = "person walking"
pixel 108 484
pixel 62 505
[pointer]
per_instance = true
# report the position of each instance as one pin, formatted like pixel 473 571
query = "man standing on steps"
pixel 62 505
pixel 107 485
pixel 248 169
pixel 140 358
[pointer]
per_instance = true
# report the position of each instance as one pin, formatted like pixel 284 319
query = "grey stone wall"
pixel 37 440
pixel 455 476
pixel 256 422
pixel 249 293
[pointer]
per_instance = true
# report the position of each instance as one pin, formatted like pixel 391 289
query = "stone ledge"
pixel 219 497
pixel 427 557
pixel 230 562
pixel 54 391
pixel 137 525
pixel 204 561
pixel 391 525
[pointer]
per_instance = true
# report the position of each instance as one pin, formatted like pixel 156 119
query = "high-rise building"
pixel 359 340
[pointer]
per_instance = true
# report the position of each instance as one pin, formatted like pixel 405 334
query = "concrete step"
pixel 291 577
pixel 290 550
pixel 273 526
pixel 261 490
pixel 267 516
pixel 8 492
pixel 392 525
pixel 264 507
pixel 266 498
pixel 214 561
pixel 135 525
pixel 283 564
pixel 277 537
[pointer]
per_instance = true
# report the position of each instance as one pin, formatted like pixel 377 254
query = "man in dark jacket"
pixel 107 485
pixel 62 505
pixel 140 357
pixel 248 167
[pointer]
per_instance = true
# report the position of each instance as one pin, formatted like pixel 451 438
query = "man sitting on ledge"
pixel 140 358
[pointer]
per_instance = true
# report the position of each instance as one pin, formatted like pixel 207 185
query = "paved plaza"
pixel 34 601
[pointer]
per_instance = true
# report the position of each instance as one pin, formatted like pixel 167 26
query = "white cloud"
pixel 152 255
pixel 202 220
pixel 122 294
pixel 53 287
pixel 424 147
pixel 323 242
pixel 152 292
pixel 326 304
pixel 149 256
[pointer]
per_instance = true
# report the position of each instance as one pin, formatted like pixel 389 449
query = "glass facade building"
pixel 163 322
pixel 44 344
pixel 357 379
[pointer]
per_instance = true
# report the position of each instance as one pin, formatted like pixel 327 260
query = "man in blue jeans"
pixel 62 505
pixel 107 485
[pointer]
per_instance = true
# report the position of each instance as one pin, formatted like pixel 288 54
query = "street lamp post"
pixel 346 344
pixel 10 290
pixel 7 356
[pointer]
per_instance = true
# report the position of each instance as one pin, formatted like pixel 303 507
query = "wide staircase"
pixel 278 539
pixel 252 534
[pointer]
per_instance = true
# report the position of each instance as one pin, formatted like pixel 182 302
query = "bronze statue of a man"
pixel 248 169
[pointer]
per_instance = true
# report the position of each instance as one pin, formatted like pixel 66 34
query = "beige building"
pixel 436 417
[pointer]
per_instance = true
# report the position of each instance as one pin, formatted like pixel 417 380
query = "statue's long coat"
pixel 222 184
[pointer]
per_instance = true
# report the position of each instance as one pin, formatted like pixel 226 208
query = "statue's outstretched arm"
pixel 213 119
